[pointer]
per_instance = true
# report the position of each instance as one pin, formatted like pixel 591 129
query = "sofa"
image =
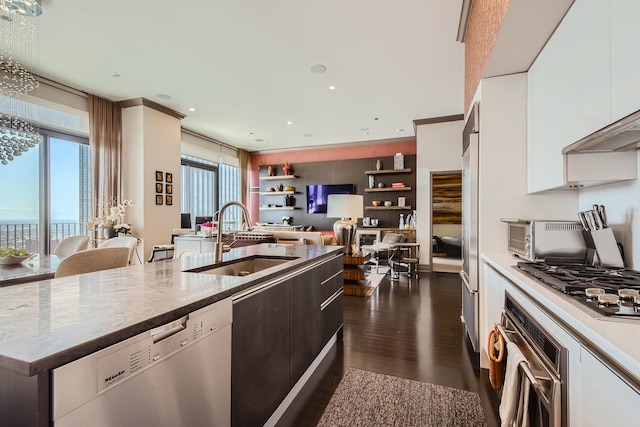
pixel 311 237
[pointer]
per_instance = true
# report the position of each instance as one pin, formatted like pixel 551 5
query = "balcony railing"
pixel 27 236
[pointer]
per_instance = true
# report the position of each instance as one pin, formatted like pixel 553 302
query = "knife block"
pixel 607 248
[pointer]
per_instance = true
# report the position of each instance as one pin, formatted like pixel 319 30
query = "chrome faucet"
pixel 219 248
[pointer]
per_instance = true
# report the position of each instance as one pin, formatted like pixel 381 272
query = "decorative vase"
pixel 287 168
pixel 271 171
pixel 378 165
pixel 372 181
pixel 109 233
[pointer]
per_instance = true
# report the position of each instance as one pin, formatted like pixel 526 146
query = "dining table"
pixel 39 267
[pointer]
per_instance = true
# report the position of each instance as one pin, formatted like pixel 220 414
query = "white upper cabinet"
pixel 625 62
pixel 570 97
pixel 586 76
pixel 544 113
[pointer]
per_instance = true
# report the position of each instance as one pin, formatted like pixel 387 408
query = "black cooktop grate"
pixel 573 279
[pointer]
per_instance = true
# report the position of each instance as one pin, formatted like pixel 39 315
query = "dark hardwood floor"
pixel 410 329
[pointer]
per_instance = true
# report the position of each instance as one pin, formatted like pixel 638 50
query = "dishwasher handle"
pixel 164 332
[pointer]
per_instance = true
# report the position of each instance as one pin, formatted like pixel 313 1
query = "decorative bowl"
pixel 388 203
pixel 289 188
pixel 13 259
pixel 376 203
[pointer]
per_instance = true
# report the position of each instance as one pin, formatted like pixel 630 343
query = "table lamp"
pixel 348 207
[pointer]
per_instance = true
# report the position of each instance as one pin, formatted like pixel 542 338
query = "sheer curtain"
pixel 244 159
pixel 105 141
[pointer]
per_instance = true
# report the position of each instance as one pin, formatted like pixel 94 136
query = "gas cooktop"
pixel 610 291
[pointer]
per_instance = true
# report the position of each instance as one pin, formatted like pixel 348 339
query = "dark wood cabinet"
pixel 277 333
pixel 260 355
pixel 331 317
pixel 306 324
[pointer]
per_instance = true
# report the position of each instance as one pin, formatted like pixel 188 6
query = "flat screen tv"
pixel 317 195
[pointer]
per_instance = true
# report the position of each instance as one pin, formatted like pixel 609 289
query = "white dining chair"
pixel 121 242
pixel 91 260
pixel 71 245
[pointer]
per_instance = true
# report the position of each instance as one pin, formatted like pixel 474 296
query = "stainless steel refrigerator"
pixel 470 266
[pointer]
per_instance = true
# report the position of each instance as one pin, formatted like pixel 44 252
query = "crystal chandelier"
pixel 18 46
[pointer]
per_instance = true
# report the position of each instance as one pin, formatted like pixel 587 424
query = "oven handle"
pixel 523 365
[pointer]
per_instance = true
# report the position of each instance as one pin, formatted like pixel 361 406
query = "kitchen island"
pixel 45 325
pixel 603 352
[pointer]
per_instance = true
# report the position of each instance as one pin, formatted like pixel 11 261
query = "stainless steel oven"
pixel 545 365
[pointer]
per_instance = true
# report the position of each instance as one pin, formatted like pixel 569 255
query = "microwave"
pixel 537 240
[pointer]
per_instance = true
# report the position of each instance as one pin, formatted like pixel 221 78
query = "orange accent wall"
pixel 484 26
pixel 320 155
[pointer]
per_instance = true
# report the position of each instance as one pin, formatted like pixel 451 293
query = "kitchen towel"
pixel 511 388
pixel 522 418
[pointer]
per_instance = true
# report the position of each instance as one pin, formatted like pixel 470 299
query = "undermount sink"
pixel 243 267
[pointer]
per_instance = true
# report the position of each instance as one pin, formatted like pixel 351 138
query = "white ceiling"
pixel 244 64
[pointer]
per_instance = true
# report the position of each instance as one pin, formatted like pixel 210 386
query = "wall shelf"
pixel 277 177
pixel 280 208
pixel 386 208
pixel 378 190
pixel 387 171
pixel 276 193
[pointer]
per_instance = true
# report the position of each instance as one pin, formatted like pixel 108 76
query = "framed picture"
pixel 168 177
pixel 158 187
pixel 159 175
pixel 169 200
pixel 169 189
pixel 159 199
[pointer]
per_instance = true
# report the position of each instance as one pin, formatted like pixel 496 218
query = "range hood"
pixel 622 135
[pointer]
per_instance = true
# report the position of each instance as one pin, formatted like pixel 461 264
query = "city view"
pixel 27 185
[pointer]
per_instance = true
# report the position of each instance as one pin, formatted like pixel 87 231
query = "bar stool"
pixel 404 255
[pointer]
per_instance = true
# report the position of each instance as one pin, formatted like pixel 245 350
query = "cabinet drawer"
pixel 332 317
pixel 330 285
pixel 330 278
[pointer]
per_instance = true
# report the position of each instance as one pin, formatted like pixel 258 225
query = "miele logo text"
pixel 113 377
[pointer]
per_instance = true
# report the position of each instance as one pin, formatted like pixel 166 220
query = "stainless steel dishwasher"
pixel 178 374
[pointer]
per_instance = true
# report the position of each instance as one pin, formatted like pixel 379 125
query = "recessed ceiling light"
pixel 307 135
pixel 114 74
pixel 318 69
pixel 376 118
pixel 250 133
pixel 163 96
pixel 332 87
pixel 399 130
pixel 289 123
pixel 192 109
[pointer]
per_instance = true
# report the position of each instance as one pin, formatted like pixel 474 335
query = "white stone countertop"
pixel 618 339
pixel 52 322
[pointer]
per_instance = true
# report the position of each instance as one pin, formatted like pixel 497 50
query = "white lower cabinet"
pixel 607 400
pixel 496 286
pixel 186 246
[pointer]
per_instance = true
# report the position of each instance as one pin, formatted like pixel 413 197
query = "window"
pixel 206 186
pixel 46 192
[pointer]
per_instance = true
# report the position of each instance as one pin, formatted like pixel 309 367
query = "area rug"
pixel 366 398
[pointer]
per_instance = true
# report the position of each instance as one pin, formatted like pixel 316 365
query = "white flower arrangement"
pixel 122 228
pixel 112 217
